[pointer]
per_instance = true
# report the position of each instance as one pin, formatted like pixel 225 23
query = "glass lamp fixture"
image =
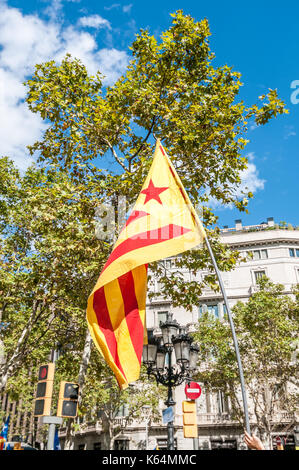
pixel 182 344
pixel 160 358
pixel 193 358
pixel 169 329
pixel 149 353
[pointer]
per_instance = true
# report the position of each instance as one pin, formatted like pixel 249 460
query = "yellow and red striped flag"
pixel 162 223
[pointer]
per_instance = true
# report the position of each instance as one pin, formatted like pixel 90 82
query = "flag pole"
pixel 241 375
pixel 243 389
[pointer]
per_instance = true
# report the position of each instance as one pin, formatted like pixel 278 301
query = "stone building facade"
pixel 274 252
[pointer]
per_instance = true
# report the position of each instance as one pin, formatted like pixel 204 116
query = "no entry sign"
pixel 192 390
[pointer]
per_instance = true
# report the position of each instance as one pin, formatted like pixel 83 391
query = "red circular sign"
pixel 43 372
pixel 192 390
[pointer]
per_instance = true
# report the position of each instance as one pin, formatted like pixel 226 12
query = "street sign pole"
pixel 51 436
pixel 52 421
pixel 192 392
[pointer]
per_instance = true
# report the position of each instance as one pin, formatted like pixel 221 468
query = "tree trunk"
pixel 107 433
pixel 8 366
pixel 84 363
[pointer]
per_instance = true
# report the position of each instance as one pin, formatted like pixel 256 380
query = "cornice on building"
pixel 257 235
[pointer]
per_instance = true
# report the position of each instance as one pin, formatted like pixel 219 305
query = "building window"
pixel 259 274
pixel 222 402
pixel 259 254
pixel 81 447
pixel 213 309
pixel 294 252
pixel 208 401
pixel 122 411
pixel 121 444
pixel 162 317
pixel 97 446
pixel 169 263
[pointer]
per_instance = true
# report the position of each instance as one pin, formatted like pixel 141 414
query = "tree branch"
pixel 143 142
pixel 115 155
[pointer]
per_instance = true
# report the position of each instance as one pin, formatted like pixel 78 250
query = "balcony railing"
pixel 285 417
pixel 226 418
pixel 215 418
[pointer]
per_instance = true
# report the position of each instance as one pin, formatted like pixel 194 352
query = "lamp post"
pixel 158 357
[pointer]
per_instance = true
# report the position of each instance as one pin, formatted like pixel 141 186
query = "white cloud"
pixel 111 7
pixel 26 40
pixel 127 8
pixel 250 182
pixel 112 62
pixel 116 6
pixel 253 126
pixel 250 156
pixel 289 131
pixel 54 9
pixel 94 21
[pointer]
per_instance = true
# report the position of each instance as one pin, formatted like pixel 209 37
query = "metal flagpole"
pixel 247 424
pixel 234 335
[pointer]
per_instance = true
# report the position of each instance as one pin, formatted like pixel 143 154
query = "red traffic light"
pixel 43 372
pixel 44 389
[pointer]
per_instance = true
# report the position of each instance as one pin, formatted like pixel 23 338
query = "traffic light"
pixel 68 400
pixel 43 395
pixel 189 419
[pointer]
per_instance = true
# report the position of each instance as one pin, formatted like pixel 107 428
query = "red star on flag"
pixel 153 192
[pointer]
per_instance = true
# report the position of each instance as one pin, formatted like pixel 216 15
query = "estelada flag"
pixel 162 223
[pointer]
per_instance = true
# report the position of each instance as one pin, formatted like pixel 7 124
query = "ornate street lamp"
pixel 158 356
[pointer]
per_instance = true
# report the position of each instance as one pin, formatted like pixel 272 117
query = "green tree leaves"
pixel 267 328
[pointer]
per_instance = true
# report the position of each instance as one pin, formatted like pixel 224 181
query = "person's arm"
pixel 253 442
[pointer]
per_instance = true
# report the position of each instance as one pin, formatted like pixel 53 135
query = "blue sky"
pixel 259 39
